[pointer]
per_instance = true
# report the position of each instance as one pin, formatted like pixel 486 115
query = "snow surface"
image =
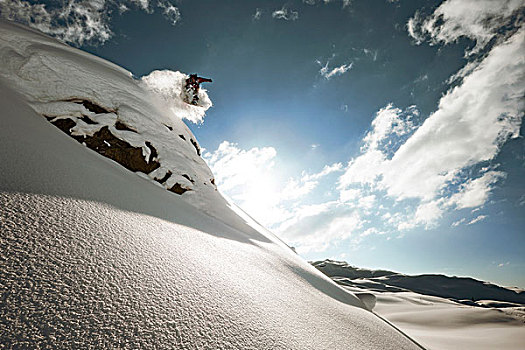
pixel 94 256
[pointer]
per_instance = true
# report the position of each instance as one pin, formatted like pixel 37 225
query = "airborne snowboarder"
pixel 192 88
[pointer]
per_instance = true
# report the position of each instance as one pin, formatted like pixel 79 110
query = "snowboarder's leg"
pixel 195 99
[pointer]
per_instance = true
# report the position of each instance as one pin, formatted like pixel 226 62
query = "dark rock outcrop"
pixel 121 126
pixel 164 178
pixel 178 189
pixel 91 106
pixel 108 145
pixel 196 145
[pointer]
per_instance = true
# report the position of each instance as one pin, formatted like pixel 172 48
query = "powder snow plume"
pixel 167 86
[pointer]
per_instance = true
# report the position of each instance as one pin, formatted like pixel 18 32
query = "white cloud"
pixel 389 121
pixel 477 219
pixel 328 169
pixel 75 22
pixel 472 122
pixel 79 21
pixel 328 73
pixel 429 163
pixel 459 222
pixel 367 202
pixel 234 167
pixel 313 2
pixel 250 178
pixel 478 20
pixel 170 12
pixel 292 226
pixel 474 193
pixel 296 189
pixel 371 231
pixel 285 14
pixel 349 195
pixel 428 213
pixel 337 228
pixel 364 169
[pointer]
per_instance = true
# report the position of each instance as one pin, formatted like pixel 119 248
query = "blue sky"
pixel 384 133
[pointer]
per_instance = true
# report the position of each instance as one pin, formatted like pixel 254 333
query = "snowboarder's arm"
pixel 203 80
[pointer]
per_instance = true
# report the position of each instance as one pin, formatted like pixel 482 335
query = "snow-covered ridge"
pixel 137 123
pixel 464 290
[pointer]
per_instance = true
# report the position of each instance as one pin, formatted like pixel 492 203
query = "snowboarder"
pixel 192 88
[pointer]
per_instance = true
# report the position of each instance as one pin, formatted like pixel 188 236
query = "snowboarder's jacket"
pixel 192 87
pixel 195 81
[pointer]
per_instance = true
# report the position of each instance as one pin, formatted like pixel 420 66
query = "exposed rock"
pixel 63 124
pixel 121 151
pixel 164 178
pixel 105 143
pixel 154 154
pixel 189 178
pixel 91 106
pixel 182 137
pixel 121 126
pixel 196 145
pixel 87 120
pixel 169 127
pixel 178 189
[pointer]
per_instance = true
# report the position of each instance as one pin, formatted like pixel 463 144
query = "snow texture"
pixel 94 256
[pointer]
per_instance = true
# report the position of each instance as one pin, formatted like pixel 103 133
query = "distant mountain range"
pixel 464 290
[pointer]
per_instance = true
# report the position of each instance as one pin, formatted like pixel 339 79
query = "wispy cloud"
pixel 328 73
pixel 459 222
pixel 257 15
pixel 371 53
pixel 477 219
pixel 80 21
pixel 475 192
pixel 285 14
pixel 170 12
pixel 313 2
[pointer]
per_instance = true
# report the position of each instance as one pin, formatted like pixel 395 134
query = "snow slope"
pixel 432 308
pixel 94 255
